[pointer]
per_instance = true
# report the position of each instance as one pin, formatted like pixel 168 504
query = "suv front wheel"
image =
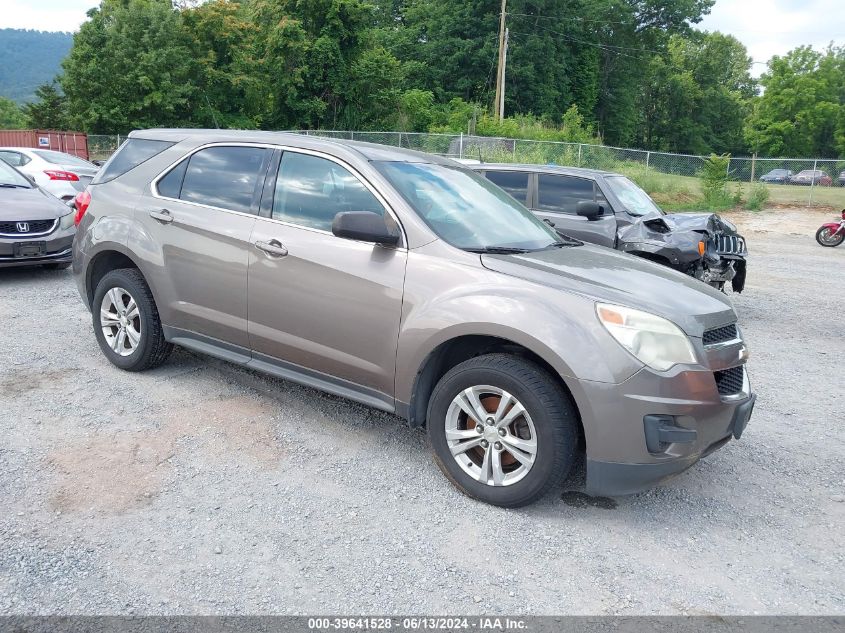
pixel 502 429
pixel 126 321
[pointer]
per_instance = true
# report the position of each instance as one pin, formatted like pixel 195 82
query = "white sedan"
pixel 63 175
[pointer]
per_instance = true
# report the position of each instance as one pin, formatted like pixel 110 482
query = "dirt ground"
pixel 203 488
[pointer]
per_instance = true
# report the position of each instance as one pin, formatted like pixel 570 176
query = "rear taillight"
pixel 81 201
pixel 57 174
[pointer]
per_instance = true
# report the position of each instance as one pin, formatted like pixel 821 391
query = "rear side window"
pixel 561 194
pixel 131 154
pixel 171 185
pixel 311 190
pixel 15 159
pixel 514 182
pixel 226 177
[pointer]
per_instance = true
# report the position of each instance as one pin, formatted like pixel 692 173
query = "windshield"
pixel 636 201
pixel 467 210
pixel 60 158
pixel 10 177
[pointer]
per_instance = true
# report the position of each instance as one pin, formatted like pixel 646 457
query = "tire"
pixel 830 243
pixel 143 345
pixel 551 420
pixel 57 266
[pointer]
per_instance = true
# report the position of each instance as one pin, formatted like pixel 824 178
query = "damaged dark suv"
pixel 611 210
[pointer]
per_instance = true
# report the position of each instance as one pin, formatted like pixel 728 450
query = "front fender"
pixel 559 327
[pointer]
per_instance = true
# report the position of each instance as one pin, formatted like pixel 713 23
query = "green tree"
pixel 697 95
pixel 802 110
pixel 131 66
pixel 11 117
pixel 49 112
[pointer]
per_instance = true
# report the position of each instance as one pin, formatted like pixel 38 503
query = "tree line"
pixel 631 73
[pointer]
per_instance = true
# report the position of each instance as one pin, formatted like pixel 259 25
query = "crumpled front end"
pixel 684 236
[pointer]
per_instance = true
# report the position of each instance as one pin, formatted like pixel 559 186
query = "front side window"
pixel 635 200
pixel 465 209
pixel 225 177
pixel 310 191
pixel 514 182
pixel 561 194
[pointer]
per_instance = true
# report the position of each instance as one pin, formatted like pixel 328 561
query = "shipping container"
pixel 75 143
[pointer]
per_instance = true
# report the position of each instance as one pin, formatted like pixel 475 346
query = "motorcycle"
pixel 833 233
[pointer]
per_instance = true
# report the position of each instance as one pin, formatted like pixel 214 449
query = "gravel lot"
pixel 204 488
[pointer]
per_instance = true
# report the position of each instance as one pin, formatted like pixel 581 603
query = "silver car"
pixel 411 284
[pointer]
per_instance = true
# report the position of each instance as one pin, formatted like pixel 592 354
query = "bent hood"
pixel 609 276
pixel 713 223
pixel 29 204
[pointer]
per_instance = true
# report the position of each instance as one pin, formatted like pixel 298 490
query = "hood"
pixel 606 275
pixel 30 204
pixel 713 223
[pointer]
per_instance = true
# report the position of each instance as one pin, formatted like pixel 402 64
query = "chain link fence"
pixel 823 180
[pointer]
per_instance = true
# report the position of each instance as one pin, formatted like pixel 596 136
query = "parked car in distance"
pixel 409 283
pixel 777 176
pixel 63 175
pixel 610 210
pixel 811 177
pixel 841 179
pixel 36 229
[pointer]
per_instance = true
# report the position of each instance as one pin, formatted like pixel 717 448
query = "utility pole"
pixel 500 71
pixel 502 86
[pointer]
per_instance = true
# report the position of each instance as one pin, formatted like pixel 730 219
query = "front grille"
pixel 31 227
pixel 729 381
pixel 730 244
pixel 720 334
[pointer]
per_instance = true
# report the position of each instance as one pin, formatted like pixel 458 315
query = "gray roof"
pixel 546 169
pixel 370 151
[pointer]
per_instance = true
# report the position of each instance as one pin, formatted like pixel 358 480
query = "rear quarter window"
pixel 132 153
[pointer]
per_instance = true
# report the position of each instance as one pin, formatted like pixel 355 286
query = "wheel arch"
pixel 111 257
pixel 456 350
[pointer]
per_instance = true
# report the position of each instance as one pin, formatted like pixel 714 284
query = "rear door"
pixel 514 182
pixel 201 215
pixel 322 305
pixel 557 199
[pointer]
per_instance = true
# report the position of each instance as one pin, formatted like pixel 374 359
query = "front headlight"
pixel 653 340
pixel 66 221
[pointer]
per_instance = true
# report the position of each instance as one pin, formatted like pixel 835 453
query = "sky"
pixel 766 27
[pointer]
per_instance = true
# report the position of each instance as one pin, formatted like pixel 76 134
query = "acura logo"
pixel 23 227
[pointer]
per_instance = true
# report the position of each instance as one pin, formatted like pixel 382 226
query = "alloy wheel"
pixel 491 435
pixel 121 321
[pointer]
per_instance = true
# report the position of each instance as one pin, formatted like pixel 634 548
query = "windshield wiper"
pixel 498 250
pixel 565 241
pixel 13 185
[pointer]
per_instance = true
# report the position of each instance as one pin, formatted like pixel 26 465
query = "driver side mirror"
pixel 589 209
pixel 365 226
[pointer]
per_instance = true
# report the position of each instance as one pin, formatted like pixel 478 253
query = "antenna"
pixel 210 109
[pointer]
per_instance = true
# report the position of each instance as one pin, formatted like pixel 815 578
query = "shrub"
pixel 714 181
pixel 757 198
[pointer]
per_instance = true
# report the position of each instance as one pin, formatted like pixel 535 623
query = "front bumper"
pixel 654 426
pixel 55 248
pixel 614 478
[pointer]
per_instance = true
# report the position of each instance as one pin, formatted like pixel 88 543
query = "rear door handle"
pixel 274 248
pixel 162 215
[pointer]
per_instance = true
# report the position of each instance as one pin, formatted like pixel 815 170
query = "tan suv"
pixel 411 284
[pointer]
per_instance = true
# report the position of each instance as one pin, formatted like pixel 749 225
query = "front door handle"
pixel 274 248
pixel 162 215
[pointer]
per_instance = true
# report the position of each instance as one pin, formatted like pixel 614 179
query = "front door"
pixel 320 304
pixel 202 214
pixel 557 200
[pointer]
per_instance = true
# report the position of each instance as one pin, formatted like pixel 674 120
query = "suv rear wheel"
pixel 503 431
pixel 126 321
